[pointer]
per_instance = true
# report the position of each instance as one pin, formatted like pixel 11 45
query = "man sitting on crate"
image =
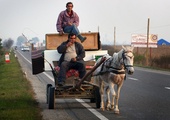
pixel 71 58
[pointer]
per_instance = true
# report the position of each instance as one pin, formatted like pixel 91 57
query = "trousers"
pixel 67 65
pixel 71 29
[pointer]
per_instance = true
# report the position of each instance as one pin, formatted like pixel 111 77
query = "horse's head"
pixel 128 57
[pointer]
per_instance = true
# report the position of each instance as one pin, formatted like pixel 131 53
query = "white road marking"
pixel 99 115
pixel 133 78
pixel 51 78
pixel 24 58
pixel 167 88
pixel 95 112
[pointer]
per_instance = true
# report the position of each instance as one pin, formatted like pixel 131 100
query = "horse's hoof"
pixel 108 109
pixel 102 109
pixel 111 108
pixel 116 112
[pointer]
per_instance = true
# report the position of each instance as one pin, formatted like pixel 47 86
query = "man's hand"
pixel 69 44
pixel 69 23
pixel 73 59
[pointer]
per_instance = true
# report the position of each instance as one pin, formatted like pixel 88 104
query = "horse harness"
pixel 112 69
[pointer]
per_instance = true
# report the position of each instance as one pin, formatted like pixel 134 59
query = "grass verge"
pixel 17 100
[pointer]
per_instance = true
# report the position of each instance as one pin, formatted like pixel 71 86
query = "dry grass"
pixel 159 58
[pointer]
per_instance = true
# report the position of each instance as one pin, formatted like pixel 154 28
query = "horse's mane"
pixel 117 58
pixel 118 55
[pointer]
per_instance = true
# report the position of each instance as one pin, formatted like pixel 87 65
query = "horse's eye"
pixel 130 57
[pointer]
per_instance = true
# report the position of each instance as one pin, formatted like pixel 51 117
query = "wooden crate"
pixel 91 43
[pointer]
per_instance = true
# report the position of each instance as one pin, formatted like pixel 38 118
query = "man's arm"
pixel 62 48
pixel 76 19
pixel 59 22
pixel 80 52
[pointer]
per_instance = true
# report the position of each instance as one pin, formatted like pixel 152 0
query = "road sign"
pixel 140 40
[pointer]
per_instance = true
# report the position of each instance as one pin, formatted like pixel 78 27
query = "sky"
pixel 35 18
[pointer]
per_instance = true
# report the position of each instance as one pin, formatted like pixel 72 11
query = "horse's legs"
pixel 113 94
pixel 108 98
pixel 102 107
pixel 111 78
pixel 116 110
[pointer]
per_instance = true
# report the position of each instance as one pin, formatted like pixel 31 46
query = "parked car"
pixel 25 48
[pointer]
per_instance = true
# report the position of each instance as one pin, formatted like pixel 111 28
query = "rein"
pixel 110 69
pixel 114 69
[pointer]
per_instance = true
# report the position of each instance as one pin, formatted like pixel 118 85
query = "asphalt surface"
pixel 145 95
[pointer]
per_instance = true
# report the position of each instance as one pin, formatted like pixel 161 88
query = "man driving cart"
pixel 71 58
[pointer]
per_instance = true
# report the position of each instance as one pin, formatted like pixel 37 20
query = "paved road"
pixel 145 95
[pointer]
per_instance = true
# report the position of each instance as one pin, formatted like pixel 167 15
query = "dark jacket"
pixel 79 50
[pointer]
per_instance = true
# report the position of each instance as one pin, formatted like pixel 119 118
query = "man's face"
pixel 72 39
pixel 69 7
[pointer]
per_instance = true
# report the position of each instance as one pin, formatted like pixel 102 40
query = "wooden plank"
pixel 87 63
pixel 91 43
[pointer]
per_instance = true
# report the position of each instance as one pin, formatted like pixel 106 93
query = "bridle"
pixel 124 58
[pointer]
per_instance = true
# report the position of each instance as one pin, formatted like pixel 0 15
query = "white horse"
pixel 112 72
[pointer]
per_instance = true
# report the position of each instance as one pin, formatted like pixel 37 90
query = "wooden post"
pixel 32 46
pixel 147 42
pixel 114 38
pixel 150 53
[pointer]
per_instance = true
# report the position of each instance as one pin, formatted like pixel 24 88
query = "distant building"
pixel 163 42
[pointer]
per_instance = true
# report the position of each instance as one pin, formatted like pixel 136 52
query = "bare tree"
pixel 8 43
pixel 21 40
pixel 1 48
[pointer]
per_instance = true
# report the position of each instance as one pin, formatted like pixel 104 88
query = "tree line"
pixel 6 45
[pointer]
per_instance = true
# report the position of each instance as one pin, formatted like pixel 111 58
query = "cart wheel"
pixel 97 97
pixel 48 85
pixel 51 97
pixel 92 100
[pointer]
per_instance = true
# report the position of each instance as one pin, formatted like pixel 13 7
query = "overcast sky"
pixel 35 18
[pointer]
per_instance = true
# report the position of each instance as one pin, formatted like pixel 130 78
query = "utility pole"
pixel 99 40
pixel 147 42
pixel 114 38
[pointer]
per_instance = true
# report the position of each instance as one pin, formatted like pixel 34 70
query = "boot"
pixel 82 39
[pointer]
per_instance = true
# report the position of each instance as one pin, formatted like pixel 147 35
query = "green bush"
pixel 139 59
pixel 2 58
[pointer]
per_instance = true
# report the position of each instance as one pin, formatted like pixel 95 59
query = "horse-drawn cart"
pixel 74 87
